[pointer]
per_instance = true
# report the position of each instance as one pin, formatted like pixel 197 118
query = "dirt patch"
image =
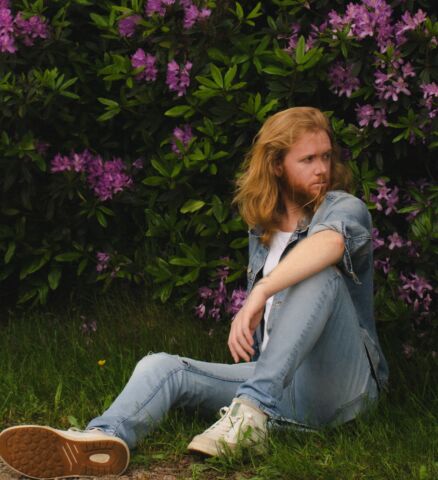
pixel 182 468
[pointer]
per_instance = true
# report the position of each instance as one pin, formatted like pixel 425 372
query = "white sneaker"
pixel 44 452
pixel 240 424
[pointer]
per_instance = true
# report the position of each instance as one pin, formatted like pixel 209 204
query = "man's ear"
pixel 278 169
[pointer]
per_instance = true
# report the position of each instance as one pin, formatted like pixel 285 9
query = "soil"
pixel 185 468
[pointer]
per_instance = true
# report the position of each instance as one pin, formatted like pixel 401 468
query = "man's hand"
pixel 245 322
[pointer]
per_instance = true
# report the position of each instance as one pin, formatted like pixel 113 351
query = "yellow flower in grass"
pixel 101 363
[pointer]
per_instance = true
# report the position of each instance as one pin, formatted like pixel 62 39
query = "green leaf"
pixel 81 267
pixel 239 11
pixel 108 102
pixel 160 168
pixel 68 256
pixel 101 219
pixel 10 252
pixel 54 278
pixel 229 76
pixel 99 20
pixel 154 181
pixel 33 266
pixel 184 262
pixel 239 242
pixel 108 115
pixel 273 70
pixel 217 75
pixel 165 291
pixel 192 206
pixel 180 111
pixel 300 50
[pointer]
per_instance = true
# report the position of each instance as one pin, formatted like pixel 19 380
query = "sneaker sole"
pixel 216 449
pixel 209 448
pixel 45 453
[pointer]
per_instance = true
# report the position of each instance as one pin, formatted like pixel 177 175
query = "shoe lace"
pixel 227 422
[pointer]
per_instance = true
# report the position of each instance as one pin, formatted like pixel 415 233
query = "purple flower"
pixel 237 300
pixel 88 327
pixel 60 163
pixel 103 259
pixel 395 241
pixel 156 6
pixel 407 23
pixel 220 294
pixel 127 25
pixel 200 310
pixel 384 265
pixel 387 195
pixel 377 241
pixel 7 42
pixel 178 78
pixel 214 313
pixel 390 85
pixel 412 249
pixel 107 178
pixel 367 114
pixel 41 147
pixel 30 29
pixel 138 163
pixel 372 18
pixel 341 80
pixel 205 292
pixel 408 350
pixel 430 96
pixel 78 161
pixel 418 285
pixel 183 135
pixel 147 61
pixel 193 14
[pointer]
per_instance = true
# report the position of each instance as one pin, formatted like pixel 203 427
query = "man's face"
pixel 305 170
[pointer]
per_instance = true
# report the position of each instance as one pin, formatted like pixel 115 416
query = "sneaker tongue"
pixel 235 409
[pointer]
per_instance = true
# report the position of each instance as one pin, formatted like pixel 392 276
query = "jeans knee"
pixel 156 362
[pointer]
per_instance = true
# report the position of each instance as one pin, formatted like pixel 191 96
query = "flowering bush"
pixel 123 124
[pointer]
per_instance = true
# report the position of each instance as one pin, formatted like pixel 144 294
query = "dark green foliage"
pixel 77 90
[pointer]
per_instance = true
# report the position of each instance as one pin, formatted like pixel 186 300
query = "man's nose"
pixel 321 166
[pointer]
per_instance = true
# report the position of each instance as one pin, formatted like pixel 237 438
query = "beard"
pixel 301 195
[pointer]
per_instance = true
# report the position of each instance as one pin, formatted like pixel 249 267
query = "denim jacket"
pixel 346 214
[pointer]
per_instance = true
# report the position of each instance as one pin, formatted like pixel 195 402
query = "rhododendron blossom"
pixel 105 178
pixel 183 135
pixel 128 25
pixel 148 62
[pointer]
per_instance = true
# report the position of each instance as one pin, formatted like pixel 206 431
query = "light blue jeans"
pixel 314 371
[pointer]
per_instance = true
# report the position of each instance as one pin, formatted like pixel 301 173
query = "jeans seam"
pixel 164 380
pixel 143 404
pixel 318 303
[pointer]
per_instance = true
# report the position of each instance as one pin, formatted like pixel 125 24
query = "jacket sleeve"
pixel 350 217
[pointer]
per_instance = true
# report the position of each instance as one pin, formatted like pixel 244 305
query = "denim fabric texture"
pixel 322 366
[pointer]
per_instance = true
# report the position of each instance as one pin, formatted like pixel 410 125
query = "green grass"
pixel 49 374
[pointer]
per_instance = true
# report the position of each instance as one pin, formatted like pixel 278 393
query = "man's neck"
pixel 291 216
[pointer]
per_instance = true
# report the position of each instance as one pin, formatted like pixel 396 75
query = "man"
pixel 306 332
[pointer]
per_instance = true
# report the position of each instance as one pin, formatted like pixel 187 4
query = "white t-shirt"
pixel 278 244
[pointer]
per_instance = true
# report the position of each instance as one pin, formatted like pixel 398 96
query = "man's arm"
pixel 308 257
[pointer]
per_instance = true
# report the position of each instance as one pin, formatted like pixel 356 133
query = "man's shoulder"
pixel 344 200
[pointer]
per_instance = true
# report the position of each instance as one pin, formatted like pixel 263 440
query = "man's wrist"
pixel 263 287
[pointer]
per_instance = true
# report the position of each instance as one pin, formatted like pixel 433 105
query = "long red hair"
pixel 258 193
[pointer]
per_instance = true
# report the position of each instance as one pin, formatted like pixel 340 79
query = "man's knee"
pixel 156 362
